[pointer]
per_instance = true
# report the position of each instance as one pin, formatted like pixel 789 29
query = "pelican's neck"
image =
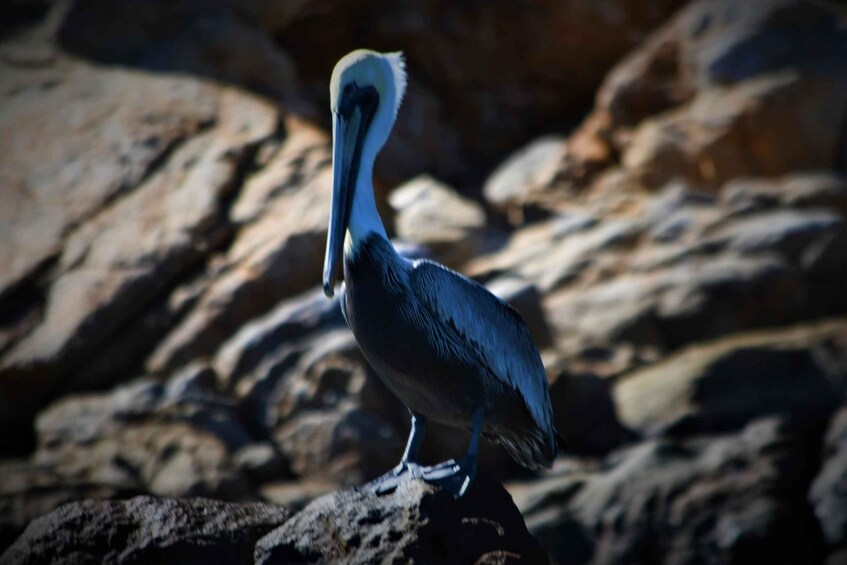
pixel 364 216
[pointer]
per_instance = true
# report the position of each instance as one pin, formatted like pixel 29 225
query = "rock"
pixel 282 212
pixel 434 215
pixel 118 128
pixel 29 490
pixel 228 43
pixel 139 208
pixel 292 321
pixel 523 176
pixel 261 462
pixel 787 232
pixel 295 495
pixel 146 529
pixel 724 385
pixel 178 439
pixel 161 319
pixel 709 94
pixel 345 445
pixel 703 141
pixel 418 522
pixel 558 252
pixel 491 99
pixel 799 190
pixel 828 494
pixel 287 53
pixel 700 298
pixel 575 253
pixel 299 376
pixel 729 497
pixel 584 414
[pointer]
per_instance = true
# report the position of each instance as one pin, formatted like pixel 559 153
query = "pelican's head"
pixel 365 92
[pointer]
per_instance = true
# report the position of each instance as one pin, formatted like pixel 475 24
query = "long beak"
pixel 350 124
pixel 346 141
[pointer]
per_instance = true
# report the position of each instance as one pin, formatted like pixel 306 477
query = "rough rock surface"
pixel 146 530
pixel 418 522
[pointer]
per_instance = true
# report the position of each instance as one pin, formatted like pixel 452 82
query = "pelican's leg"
pixel 456 477
pixel 408 467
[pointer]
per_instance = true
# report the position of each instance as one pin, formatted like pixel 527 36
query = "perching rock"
pixel 417 522
pixel 146 530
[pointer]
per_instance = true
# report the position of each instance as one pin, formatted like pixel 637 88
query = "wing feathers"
pixel 496 332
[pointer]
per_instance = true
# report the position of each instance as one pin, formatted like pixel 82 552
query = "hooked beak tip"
pixel 329 291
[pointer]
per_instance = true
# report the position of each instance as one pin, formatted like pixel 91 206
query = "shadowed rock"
pixel 145 530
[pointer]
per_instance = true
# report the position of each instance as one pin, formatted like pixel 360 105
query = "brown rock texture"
pixel 659 188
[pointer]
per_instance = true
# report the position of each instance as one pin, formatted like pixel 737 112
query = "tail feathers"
pixel 533 451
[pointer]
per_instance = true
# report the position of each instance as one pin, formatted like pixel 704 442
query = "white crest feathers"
pixel 398 68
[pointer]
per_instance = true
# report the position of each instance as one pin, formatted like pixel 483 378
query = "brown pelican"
pixel 450 350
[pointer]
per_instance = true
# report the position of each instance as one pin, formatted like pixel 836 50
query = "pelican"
pixel 449 349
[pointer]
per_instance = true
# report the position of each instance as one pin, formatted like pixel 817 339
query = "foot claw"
pixel 392 479
pixel 453 476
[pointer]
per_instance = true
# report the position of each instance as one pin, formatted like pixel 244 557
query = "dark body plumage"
pixel 402 317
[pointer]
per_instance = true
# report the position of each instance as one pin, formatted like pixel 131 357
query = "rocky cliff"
pixel 659 188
